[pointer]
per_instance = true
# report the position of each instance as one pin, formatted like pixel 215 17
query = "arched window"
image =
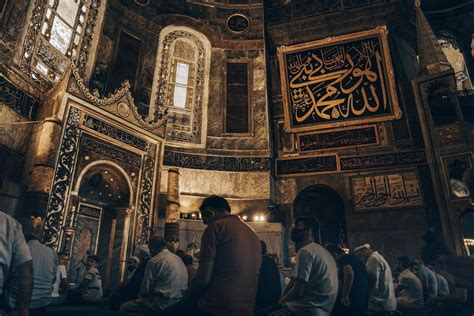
pixel 181 83
pixel 59 30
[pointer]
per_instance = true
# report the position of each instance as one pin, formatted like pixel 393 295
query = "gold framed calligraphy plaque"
pixel 386 191
pixel 339 81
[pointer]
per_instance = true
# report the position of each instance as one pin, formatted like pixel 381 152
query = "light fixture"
pixel 256 218
pixel 262 218
pixel 132 174
pixel 87 158
pixel 244 217
pixel 112 179
pixel 193 216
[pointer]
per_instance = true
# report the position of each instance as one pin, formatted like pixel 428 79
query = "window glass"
pixel 179 97
pixel 67 9
pixel 182 73
pixel 61 35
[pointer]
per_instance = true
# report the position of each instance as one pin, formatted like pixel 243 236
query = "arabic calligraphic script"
pixel 341 81
pixel 386 191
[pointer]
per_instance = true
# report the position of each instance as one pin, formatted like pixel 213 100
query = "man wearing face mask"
pixel 313 287
pixel 229 262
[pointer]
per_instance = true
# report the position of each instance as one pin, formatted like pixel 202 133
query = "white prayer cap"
pixel 364 246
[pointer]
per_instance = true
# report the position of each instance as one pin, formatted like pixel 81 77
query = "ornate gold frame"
pixel 382 32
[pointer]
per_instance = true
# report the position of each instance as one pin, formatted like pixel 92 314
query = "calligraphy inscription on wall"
pixel 338 139
pixel 306 165
pixel 396 190
pixel 338 81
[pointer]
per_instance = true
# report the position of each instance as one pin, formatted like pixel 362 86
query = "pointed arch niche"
pixel 181 83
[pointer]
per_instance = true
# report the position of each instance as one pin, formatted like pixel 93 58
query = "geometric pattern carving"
pixel 450 135
pixel 16 99
pixel 144 202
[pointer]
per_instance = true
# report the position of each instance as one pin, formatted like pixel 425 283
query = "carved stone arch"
pixel 192 131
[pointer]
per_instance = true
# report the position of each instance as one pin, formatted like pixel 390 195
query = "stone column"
pixel 41 159
pixel 172 210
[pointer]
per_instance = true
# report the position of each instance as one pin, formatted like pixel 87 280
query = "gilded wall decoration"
pixel 145 200
pixel 16 99
pixel 305 165
pixel 218 163
pixel 92 144
pixel 62 179
pixel 339 81
pixel 352 137
pixel 383 160
pixel 114 132
pixel 393 190
pixel 450 135
pixel 454 168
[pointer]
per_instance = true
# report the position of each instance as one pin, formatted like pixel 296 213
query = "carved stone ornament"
pixel 120 103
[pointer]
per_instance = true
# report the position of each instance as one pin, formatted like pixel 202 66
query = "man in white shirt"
pixel 15 258
pixel 427 278
pixel 443 286
pixel 409 291
pixel 313 288
pixel 382 295
pixel 165 280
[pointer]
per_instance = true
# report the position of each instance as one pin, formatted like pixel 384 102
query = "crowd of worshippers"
pixel 231 274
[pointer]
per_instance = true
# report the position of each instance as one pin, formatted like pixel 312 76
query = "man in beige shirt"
pixel 229 263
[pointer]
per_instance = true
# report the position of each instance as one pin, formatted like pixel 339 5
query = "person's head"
pixel 63 258
pixel 263 247
pixel 143 252
pixel 335 251
pixel 156 244
pixel 133 263
pixel 304 231
pixel 403 263
pixel 187 259
pixel 363 252
pixel 213 208
pixel 92 262
pixel 417 264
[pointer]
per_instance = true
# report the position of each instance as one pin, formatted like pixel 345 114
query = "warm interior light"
pixel 244 217
pixel 256 218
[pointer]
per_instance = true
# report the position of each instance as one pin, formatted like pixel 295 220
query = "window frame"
pixel 250 131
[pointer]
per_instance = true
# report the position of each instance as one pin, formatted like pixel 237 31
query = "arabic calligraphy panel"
pixel 338 81
pixel 353 137
pixel 394 190
pixel 306 165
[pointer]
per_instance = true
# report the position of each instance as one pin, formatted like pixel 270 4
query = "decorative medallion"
pixel 238 23
pixel 142 2
pixel 123 109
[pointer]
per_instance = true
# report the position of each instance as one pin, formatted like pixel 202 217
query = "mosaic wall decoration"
pixel 383 160
pixel 306 165
pixel 354 137
pixel 393 190
pixel 219 163
pixel 340 81
pixel 16 99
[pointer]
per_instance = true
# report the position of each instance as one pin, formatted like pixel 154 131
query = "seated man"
pixel 89 289
pixel 427 278
pixel 165 280
pixel 409 291
pixel 130 288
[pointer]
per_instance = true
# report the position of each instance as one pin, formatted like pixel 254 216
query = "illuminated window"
pixel 56 35
pixel 456 58
pixel 182 72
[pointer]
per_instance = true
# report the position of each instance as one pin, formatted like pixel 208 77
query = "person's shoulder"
pixel 9 221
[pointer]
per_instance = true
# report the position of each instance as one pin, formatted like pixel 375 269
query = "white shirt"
pixel 443 286
pixel 165 276
pixel 316 266
pixel 60 274
pixel 428 278
pixel 93 292
pixel 14 250
pixel 411 295
pixel 382 295
pixel 45 264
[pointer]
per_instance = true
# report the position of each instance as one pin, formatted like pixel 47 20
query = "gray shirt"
pixel 428 280
pixel 14 250
pixel 443 286
pixel 316 266
pixel 45 264
pixel 382 295
pixel 411 295
pixel 165 276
